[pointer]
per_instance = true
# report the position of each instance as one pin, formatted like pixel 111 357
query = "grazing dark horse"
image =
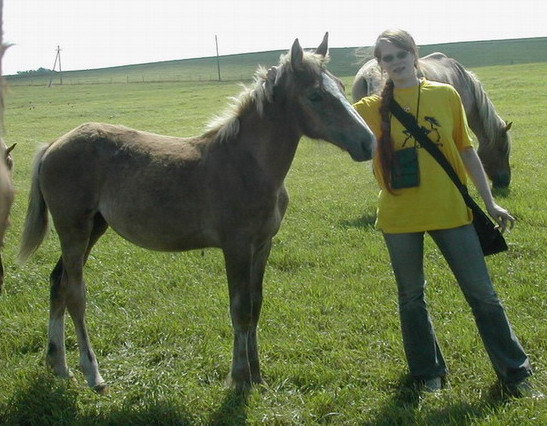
pixel 490 129
pixel 221 189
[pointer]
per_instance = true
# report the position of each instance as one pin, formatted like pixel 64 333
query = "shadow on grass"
pixel 42 400
pixel 405 407
pixel 501 192
pixel 47 400
pixel 365 221
pixel 233 410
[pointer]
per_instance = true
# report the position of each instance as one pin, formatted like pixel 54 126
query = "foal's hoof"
pixel 262 385
pixel 243 386
pixel 101 388
pixel 62 373
pixel 237 385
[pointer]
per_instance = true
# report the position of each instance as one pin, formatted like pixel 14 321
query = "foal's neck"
pixel 271 139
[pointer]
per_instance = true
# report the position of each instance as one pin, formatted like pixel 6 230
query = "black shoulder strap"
pixel 409 121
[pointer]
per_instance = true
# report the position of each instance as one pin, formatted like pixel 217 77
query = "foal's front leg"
pixel 74 297
pixel 260 258
pixel 238 269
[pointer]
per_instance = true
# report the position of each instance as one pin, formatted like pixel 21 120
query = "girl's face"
pixel 398 63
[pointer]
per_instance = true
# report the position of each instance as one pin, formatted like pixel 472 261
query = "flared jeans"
pixel 461 249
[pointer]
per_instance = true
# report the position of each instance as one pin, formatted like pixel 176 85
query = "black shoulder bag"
pixel 490 237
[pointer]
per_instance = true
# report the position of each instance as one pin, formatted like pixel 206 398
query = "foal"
pixel 224 188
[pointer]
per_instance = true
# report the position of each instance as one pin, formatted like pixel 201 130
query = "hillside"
pixel 344 62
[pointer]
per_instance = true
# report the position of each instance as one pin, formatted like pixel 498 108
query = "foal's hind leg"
pixel 76 246
pixel 56 354
pixel 1 274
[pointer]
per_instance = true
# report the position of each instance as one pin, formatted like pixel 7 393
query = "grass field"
pixel 329 335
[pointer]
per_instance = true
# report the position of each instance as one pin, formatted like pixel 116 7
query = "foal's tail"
pixel 36 222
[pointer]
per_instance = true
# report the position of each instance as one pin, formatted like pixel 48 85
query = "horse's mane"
pixel 490 119
pixel 226 126
pixel 3 48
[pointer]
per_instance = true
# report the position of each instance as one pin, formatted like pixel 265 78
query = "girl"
pixel 424 199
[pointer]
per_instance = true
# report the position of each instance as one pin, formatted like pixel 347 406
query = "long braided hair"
pixel 402 40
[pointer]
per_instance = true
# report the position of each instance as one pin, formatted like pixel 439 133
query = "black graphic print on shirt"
pixel 432 132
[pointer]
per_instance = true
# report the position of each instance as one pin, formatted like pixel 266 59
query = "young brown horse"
pixel 221 189
pixel 491 131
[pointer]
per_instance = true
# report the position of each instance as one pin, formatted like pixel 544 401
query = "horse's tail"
pixel 360 88
pixel 36 221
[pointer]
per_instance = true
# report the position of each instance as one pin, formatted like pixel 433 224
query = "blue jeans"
pixel 461 249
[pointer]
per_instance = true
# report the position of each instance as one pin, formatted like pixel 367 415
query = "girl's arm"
pixel 475 170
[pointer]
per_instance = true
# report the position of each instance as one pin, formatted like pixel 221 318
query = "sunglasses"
pixel 399 55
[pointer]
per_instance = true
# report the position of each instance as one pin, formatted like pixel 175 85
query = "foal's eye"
pixel 315 97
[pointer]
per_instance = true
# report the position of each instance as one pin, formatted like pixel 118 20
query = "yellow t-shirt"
pixel 436 203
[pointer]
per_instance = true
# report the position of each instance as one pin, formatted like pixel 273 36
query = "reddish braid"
pixel 385 144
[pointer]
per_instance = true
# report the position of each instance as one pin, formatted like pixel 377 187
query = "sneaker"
pixel 523 389
pixel 432 385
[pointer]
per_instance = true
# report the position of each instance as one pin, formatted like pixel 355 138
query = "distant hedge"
pixel 344 62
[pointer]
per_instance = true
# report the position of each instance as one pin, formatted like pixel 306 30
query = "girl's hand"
pixel 501 216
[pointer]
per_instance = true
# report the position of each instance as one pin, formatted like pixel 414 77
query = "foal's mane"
pixel 226 126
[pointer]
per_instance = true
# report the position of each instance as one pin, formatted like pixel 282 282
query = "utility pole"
pixel 57 59
pixel 218 59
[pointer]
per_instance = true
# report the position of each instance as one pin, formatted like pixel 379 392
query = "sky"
pixel 105 33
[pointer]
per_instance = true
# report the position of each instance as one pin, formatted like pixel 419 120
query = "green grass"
pixel 329 335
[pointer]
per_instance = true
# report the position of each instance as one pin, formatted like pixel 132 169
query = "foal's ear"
pixel 270 81
pixel 324 46
pixel 271 74
pixel 10 149
pixel 296 55
pixel 508 126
